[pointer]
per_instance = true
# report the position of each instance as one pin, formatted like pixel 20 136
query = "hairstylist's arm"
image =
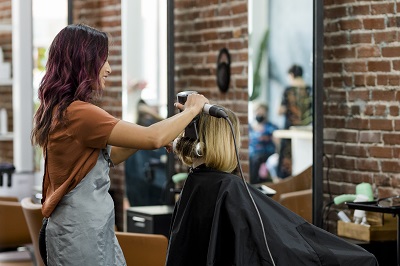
pixel 120 154
pixel 129 135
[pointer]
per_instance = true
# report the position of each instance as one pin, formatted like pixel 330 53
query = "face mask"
pixel 260 118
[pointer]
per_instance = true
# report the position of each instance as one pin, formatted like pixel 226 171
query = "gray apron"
pixel 80 231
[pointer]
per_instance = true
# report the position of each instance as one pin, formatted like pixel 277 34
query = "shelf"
pixel 6 82
pixel 290 134
pixel 6 27
pixel 7 137
pixel 372 206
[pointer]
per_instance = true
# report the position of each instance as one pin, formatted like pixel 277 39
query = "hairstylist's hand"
pixel 194 102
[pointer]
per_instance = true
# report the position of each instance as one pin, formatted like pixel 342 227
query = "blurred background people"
pixel 296 106
pixel 261 144
pixel 145 171
pixel 296 103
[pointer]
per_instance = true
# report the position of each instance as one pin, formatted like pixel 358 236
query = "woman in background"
pixel 261 143
pixel 296 103
pixel 296 106
pixel 145 171
pixel 80 141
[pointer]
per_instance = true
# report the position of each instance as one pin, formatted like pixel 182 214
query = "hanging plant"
pixel 256 74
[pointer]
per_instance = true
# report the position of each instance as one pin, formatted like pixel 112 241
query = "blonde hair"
pixel 218 149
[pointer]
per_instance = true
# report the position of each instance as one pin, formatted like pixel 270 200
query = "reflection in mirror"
pixel 144 82
pixel 281 67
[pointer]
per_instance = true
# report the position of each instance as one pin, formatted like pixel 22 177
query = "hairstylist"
pixel 80 141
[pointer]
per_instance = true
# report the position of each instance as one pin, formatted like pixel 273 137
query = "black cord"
pixel 327 207
pixel 327 210
pixel 245 184
pixel 327 216
pixel 327 177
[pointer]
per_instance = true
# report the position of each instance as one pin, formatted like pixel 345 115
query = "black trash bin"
pixel 6 169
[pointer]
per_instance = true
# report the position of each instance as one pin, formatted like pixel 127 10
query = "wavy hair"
pixel 75 59
pixel 218 150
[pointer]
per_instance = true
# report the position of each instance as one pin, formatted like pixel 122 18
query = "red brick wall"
pixel 361 106
pixel 202 28
pixel 6 147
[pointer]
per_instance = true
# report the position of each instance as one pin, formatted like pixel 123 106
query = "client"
pixel 220 220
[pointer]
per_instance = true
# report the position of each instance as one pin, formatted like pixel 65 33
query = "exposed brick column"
pixel 6 147
pixel 361 106
pixel 202 28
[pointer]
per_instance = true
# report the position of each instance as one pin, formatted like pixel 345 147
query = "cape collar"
pixel 199 167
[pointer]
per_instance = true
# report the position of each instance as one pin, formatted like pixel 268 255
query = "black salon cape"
pixel 215 223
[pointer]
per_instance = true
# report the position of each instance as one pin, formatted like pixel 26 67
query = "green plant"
pixel 256 74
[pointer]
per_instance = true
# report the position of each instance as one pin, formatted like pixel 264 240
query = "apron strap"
pixel 107 158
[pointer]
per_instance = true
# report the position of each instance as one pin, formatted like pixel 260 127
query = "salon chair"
pixel 15 240
pixel 33 216
pixel 143 249
pixel 295 193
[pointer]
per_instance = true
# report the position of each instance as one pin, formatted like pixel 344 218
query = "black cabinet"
pixel 149 219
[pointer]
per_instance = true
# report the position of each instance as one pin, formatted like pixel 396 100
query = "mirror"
pixel 311 61
pixel 144 95
pixel 285 72
pixel 281 80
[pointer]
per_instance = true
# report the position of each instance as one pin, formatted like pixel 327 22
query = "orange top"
pixel 72 150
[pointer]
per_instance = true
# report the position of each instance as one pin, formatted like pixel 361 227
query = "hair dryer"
pixel 213 110
pixel 363 193
pixel 361 189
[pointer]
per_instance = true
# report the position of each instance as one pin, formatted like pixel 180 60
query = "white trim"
pixel 6 27
pixel 7 137
pixel 22 84
pixel 6 82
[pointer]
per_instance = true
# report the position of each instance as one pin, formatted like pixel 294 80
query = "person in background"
pixel 296 103
pixel 296 106
pixel 80 142
pixel 145 171
pixel 219 219
pixel 261 143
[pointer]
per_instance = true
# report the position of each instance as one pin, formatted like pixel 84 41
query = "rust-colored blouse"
pixel 72 150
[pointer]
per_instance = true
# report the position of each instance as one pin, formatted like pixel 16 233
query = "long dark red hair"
pixel 76 57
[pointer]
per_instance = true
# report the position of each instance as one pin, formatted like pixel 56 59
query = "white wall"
pixel 144 53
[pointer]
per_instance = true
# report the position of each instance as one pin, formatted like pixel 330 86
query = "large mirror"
pixel 281 88
pixel 144 95
pixel 285 75
pixel 282 33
